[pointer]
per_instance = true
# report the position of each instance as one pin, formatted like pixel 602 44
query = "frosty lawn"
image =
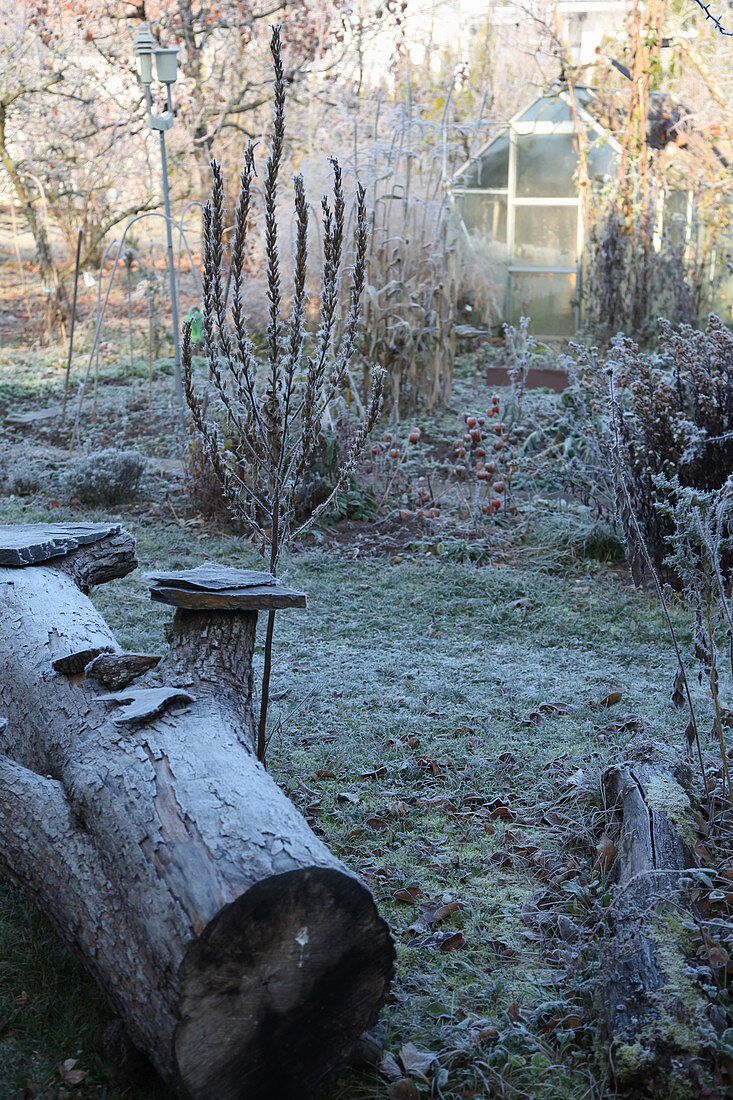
pixel 425 733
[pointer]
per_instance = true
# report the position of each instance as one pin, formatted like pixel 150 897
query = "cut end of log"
pixel 280 986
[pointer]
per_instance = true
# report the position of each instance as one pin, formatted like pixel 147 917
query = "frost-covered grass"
pixel 407 741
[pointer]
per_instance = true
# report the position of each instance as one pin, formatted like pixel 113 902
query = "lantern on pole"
pixel 166 68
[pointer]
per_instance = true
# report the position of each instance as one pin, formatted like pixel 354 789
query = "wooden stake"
pixel 71 329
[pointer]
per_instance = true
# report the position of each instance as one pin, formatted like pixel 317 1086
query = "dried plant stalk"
pixel 272 410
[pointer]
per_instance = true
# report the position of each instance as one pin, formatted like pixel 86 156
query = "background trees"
pixel 389 87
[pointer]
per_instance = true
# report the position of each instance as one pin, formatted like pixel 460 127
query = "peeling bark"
pixel 117 670
pixel 244 958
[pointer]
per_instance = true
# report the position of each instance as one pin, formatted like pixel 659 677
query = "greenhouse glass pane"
pixel 546 236
pixel 484 215
pixel 586 97
pixel 489 170
pixel 546 165
pixel 675 217
pixel 601 160
pixel 547 299
pixel 548 109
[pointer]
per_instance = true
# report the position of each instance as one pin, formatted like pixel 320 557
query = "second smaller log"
pixel 653 1016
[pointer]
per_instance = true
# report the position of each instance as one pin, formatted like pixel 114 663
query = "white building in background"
pixel 585 25
pixel 582 24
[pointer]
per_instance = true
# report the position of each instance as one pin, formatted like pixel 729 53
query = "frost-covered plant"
pixel 629 281
pixel 675 420
pixel 483 465
pixel 261 423
pixel 388 475
pixel 700 554
pixel 21 478
pixel 520 345
pixel 103 477
pixel 699 558
pixel 563 442
pixel 579 441
pixel 681 692
pixel 413 261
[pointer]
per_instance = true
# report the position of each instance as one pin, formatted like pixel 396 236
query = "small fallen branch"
pixel 653 1016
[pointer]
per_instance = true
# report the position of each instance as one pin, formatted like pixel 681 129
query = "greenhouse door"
pixel 544 230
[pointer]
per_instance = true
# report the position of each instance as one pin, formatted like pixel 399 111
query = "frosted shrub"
pixel 103 477
pixel 21 478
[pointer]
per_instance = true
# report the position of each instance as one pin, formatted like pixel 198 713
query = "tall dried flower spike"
pixel 260 421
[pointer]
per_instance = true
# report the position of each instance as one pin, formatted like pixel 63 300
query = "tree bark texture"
pixel 653 1017
pixel 243 957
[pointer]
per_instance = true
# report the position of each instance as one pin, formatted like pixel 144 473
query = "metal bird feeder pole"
pixel 166 65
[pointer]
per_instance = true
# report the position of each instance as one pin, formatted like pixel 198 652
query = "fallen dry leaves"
pixel 605 851
pixel 404 1089
pixel 417 1062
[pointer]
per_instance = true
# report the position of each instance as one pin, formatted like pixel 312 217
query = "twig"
pixel 80 234
pixel 716 20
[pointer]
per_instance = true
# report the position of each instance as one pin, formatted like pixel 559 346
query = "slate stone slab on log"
pixel 32 543
pixel 264 598
pixel 210 576
pixel 212 587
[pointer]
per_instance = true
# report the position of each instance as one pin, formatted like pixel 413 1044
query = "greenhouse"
pixel 518 203
pixel 518 200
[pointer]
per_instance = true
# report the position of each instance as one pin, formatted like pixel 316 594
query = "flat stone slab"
pixel 268 597
pixel 32 543
pixel 52 412
pixel 213 587
pixel 211 577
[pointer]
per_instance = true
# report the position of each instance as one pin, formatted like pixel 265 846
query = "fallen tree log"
pixel 244 959
pixel 653 1016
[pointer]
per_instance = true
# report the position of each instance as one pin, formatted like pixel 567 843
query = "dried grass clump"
pixel 103 477
pixel 413 263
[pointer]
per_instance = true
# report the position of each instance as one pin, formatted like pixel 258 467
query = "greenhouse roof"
pixel 566 109
pixel 559 112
